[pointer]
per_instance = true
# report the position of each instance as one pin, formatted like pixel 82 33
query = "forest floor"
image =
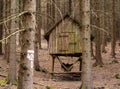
pixel 106 77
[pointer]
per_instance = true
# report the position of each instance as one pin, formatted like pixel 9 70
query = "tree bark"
pixel 97 22
pixel 102 23
pixel 25 76
pixel 51 8
pixel 1 26
pixel 70 7
pixel 39 21
pixel 86 61
pixel 113 32
pixel 58 11
pixel 12 56
pixel 36 48
pixel 37 36
pixel 7 27
pixel 98 55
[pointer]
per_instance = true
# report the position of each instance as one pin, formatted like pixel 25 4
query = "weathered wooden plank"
pixel 66 38
pixel 69 72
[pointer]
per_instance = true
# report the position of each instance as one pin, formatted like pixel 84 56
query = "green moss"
pixel 114 62
pixel 49 87
pixel 117 76
pixel 82 87
pixel 15 83
pixel 3 82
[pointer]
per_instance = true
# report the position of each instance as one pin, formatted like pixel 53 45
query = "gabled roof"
pixel 60 21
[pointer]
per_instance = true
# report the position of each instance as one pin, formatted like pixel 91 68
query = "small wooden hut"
pixel 65 38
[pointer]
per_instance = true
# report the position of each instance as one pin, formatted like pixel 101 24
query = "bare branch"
pixel 12 17
pixel 12 34
pixel 102 29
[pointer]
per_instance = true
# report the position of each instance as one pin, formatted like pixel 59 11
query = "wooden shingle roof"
pixel 60 21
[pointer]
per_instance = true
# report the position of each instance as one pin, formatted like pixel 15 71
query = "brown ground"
pixel 103 77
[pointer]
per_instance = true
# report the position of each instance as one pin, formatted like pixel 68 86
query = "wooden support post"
pixel 52 69
pixel 80 68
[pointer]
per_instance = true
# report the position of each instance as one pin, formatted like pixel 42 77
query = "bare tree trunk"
pixel 12 65
pixel 39 21
pixel 58 12
pixel 102 23
pixel 97 22
pixel 7 31
pixel 98 55
pixel 103 42
pixel 37 36
pixel 70 7
pixel 86 62
pixel 1 26
pixel 36 60
pixel 51 7
pixel 25 76
pixel 7 49
pixel 113 41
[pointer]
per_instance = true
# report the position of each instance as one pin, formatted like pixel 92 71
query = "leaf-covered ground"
pixel 106 77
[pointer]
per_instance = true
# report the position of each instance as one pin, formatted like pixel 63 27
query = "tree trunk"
pixel 103 42
pixel 7 31
pixel 1 26
pixel 97 22
pixel 12 56
pixel 37 36
pixel 98 56
pixel 86 62
pixel 70 7
pixel 58 12
pixel 36 60
pixel 39 21
pixel 51 7
pixel 25 76
pixel 102 23
pixel 113 32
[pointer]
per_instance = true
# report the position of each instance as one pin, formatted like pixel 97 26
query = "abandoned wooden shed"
pixel 65 39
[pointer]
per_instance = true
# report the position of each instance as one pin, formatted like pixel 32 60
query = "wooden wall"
pixel 66 38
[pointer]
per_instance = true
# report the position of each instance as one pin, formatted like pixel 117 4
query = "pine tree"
pixel 12 56
pixel 1 26
pixel 25 76
pixel 86 61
